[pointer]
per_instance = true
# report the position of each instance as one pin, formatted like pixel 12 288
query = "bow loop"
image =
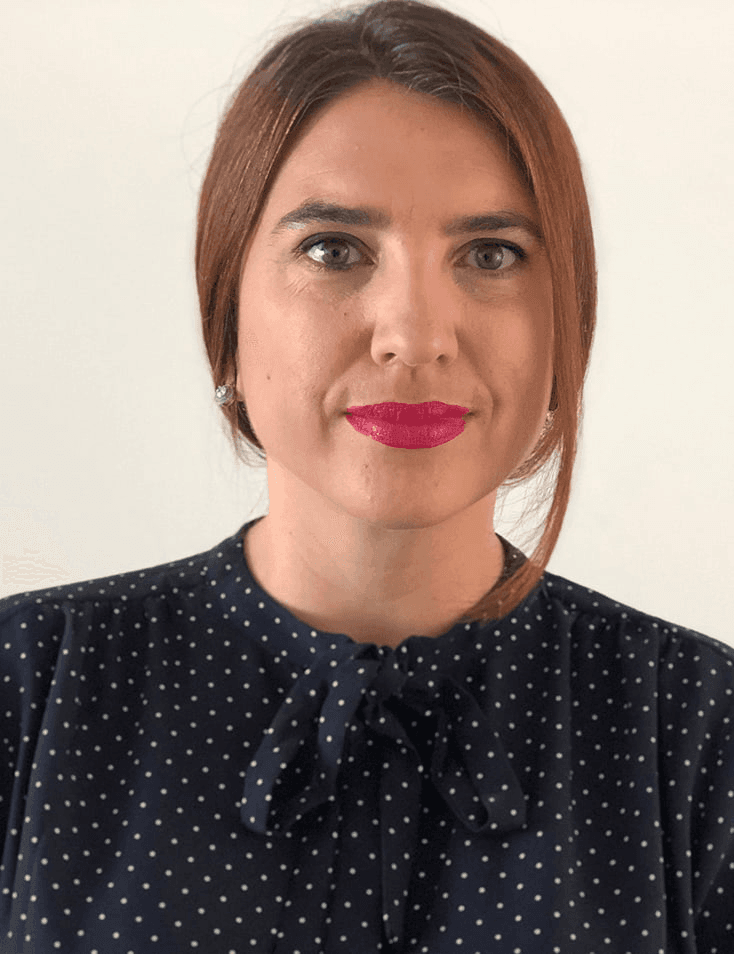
pixel 296 766
pixel 470 767
pixel 442 721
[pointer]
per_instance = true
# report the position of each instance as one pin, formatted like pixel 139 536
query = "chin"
pixel 425 509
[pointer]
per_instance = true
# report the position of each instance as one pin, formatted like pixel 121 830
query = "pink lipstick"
pixel 408 425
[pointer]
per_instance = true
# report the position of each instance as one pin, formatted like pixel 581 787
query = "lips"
pixel 409 425
pixel 409 414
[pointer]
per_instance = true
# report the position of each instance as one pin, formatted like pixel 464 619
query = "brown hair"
pixel 426 48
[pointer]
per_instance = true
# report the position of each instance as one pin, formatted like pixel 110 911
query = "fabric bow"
pixel 435 726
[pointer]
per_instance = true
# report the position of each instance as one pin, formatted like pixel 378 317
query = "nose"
pixel 414 318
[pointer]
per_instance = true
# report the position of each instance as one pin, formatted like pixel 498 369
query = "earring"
pixel 223 395
pixel 548 424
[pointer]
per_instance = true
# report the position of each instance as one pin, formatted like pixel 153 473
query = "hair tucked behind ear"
pixel 425 48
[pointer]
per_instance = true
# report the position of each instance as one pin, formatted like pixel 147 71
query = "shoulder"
pixel 120 587
pixel 35 623
pixel 606 630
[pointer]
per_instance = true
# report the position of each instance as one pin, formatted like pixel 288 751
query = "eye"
pixel 330 256
pixel 333 254
pixel 496 256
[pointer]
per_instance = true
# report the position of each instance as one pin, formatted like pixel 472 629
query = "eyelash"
pixel 315 240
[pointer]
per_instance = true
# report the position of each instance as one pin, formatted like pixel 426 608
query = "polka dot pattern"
pixel 185 766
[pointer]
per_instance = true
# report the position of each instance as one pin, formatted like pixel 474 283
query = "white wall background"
pixel 112 454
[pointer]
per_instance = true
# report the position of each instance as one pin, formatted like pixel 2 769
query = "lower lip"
pixel 408 435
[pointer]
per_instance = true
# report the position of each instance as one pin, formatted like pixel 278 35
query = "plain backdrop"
pixel 113 454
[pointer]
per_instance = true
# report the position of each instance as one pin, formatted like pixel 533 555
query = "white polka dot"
pixel 184 765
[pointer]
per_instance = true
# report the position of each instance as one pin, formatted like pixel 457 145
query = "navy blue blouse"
pixel 187 767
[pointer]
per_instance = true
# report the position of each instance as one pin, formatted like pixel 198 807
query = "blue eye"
pixel 500 257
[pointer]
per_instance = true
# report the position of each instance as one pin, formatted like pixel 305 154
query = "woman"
pixel 365 721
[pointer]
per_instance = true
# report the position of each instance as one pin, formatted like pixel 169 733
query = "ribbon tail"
pixel 400 808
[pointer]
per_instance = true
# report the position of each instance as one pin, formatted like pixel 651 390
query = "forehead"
pixel 387 144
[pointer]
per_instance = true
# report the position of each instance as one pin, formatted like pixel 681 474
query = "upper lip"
pixel 408 413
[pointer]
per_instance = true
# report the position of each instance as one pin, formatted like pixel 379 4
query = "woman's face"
pixel 396 309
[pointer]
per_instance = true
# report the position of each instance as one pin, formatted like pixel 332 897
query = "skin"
pixel 379 542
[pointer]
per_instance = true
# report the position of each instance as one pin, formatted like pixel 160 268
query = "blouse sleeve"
pixel 697 763
pixel 31 633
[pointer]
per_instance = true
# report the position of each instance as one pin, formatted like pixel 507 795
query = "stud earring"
pixel 223 395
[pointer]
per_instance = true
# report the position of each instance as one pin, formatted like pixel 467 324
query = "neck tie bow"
pixel 430 727
pixel 429 714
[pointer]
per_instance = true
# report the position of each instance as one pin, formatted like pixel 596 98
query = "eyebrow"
pixel 318 210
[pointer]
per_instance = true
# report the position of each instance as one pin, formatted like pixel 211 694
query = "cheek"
pixel 521 346
pixel 286 363
pixel 519 354
pixel 538 330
